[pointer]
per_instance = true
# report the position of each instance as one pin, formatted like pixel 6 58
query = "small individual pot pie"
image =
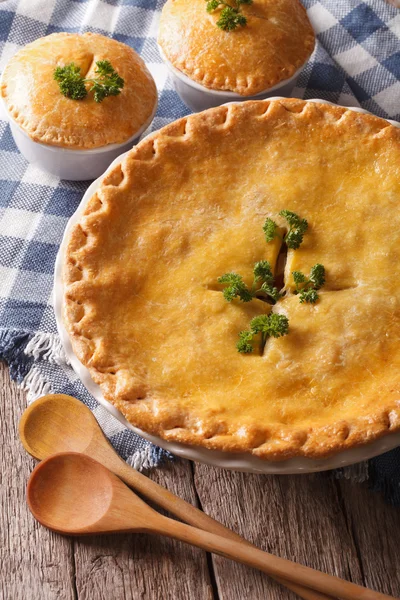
pixel 39 112
pixel 143 303
pixel 211 65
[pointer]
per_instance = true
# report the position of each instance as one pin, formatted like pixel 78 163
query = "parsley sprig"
pixel 236 287
pixel 272 325
pixel 262 284
pixel 295 233
pixel 230 16
pixel 262 272
pixel 73 85
pixel 306 287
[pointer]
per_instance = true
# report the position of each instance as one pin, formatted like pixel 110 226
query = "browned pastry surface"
pixel 145 313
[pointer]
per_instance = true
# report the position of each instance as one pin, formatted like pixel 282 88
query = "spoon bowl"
pixel 56 494
pixel 56 423
pixel 73 494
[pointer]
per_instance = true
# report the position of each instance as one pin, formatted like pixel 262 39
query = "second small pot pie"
pixel 275 42
pixel 34 100
pixel 145 312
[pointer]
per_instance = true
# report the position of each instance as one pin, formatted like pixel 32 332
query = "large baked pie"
pixel 145 312
pixel 275 42
pixel 33 98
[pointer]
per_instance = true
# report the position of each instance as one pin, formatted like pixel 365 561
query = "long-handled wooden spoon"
pixel 60 423
pixel 74 494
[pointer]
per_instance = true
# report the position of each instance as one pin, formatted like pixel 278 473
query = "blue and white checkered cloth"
pixel 356 63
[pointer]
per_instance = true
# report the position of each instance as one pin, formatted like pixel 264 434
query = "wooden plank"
pixel 304 518
pixel 375 528
pixel 34 562
pixel 136 567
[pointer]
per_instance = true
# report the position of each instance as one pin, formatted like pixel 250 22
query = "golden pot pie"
pixel 146 314
pixel 275 42
pixel 34 101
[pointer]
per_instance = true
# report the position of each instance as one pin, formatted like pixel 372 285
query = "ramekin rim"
pixel 201 88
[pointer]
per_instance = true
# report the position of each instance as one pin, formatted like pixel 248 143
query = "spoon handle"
pixel 192 515
pixel 273 565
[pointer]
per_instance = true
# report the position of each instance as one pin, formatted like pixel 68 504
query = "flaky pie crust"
pixel 276 41
pixel 145 314
pixel 34 100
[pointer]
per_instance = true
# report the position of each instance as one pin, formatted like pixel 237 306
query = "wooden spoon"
pixel 73 494
pixel 60 423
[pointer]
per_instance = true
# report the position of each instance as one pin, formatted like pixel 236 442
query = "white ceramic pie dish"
pixel 198 98
pixel 238 462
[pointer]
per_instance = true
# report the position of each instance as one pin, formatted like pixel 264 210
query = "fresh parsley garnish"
pixel 230 16
pixel 73 85
pixel 270 230
pixel 272 325
pixel 306 287
pixel 71 81
pixel 236 287
pixel 295 233
pixel 263 273
pixel 244 344
pixel 297 229
pixel 262 284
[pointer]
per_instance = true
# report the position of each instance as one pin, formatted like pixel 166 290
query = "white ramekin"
pixel 198 98
pixel 237 462
pixel 66 163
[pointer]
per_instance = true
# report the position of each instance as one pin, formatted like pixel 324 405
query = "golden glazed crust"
pixel 34 100
pixel 275 43
pixel 145 313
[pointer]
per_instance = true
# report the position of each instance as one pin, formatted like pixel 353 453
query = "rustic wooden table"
pixel 339 527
